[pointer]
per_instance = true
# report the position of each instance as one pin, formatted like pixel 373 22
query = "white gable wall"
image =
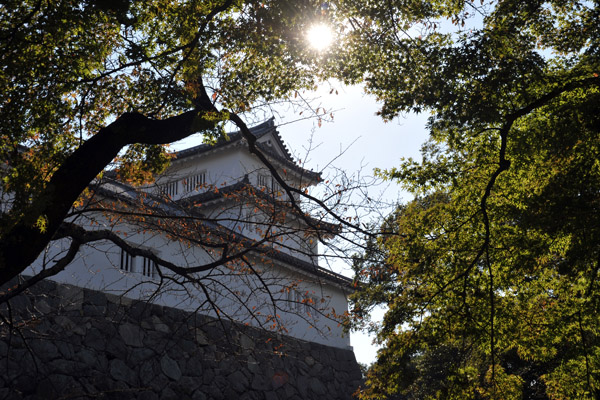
pixel 304 304
pixel 223 167
pixel 251 293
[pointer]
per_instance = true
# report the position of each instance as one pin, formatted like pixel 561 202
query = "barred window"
pixel 271 184
pixel 291 299
pixel 311 304
pixel 130 263
pixel 277 189
pixel 263 180
pixel 148 267
pixel 170 188
pixel 194 182
pixel 248 221
pixel 299 304
pixel 126 261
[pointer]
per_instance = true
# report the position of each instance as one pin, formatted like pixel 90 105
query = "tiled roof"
pixel 258 131
pixel 325 228
pixel 130 195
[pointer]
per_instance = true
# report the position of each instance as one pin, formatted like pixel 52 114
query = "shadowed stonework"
pixel 68 342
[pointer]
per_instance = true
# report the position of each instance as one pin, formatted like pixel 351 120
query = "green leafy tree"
pixel 490 275
pixel 93 85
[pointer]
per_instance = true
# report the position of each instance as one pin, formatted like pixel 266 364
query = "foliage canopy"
pixel 490 275
pixel 93 85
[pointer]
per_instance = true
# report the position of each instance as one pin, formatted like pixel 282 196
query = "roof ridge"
pixel 258 131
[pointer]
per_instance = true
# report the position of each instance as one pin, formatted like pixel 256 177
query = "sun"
pixel 319 36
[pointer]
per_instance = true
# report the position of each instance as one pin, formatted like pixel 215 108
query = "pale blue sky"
pixel 370 144
pixel 365 140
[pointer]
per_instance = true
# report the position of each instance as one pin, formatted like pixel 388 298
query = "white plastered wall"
pixel 256 293
pixel 252 293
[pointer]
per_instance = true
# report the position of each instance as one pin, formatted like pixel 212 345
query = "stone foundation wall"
pixel 60 341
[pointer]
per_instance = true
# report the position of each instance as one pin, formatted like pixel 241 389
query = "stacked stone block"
pixel 61 341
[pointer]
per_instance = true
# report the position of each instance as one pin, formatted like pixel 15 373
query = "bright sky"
pixel 357 140
pixel 365 141
pixel 368 143
pixel 319 37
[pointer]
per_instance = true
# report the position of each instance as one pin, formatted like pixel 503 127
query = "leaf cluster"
pixel 491 272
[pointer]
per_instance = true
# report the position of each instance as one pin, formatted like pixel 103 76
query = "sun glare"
pixel 319 37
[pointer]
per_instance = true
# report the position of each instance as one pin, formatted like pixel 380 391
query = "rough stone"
pixel 303 368
pixel 188 347
pixel 64 322
pixel 95 340
pixel 159 325
pixel 229 393
pixel 238 381
pixel 94 297
pixel 279 379
pixel 146 372
pixel 66 367
pixel 64 385
pixel 157 352
pixel 139 310
pixel 121 372
pixel 331 388
pixel 79 330
pixel 70 297
pixel 199 395
pixel 23 383
pixel 252 396
pixel 46 388
pixel 147 395
pixel 66 349
pixel 253 366
pixel 271 396
pixel 175 352
pixel 317 386
pixel 120 391
pixel 21 304
pixel 101 381
pixel 289 391
pixel 170 368
pixel 355 375
pixel 225 365
pixel 260 383
pixel 220 381
pixel 157 341
pixel 302 386
pixel 43 307
pixel 169 394
pixel 115 348
pixel 94 310
pixel 132 335
pixel 193 366
pixel 87 356
pixel 207 376
pixel 189 384
pixel 201 338
pixel 120 301
pixel 246 342
pixel 137 355
pixel 159 383
pixel 213 392
pixel 316 370
pixel 44 349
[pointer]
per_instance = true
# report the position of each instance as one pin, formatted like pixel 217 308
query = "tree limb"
pixel 23 241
